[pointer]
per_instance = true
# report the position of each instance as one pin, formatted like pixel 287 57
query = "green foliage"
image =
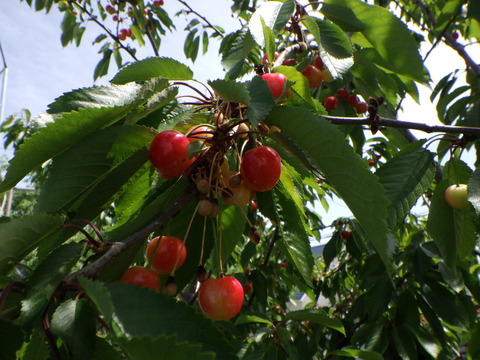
pixel 398 278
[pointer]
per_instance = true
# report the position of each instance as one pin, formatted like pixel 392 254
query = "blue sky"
pixel 40 69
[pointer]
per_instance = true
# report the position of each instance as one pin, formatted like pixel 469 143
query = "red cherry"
pixel 361 107
pixel 346 234
pixel 139 275
pixel 342 93
pixel 122 35
pixel 276 82
pixel 166 253
pixel 314 76
pixel 283 264
pixel 372 163
pixel 265 58
pixel 253 206
pixel 330 103
pixel 455 35
pixel 318 63
pixel 110 9
pixel 352 99
pixel 168 153
pixel 158 3
pixel 261 168
pixel 115 18
pixel 247 288
pixel 221 299
pixel 289 62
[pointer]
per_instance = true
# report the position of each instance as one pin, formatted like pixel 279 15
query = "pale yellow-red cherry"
pixel 456 196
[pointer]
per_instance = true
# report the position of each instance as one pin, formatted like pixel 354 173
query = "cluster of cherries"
pixel 331 102
pixel 123 34
pixel 258 169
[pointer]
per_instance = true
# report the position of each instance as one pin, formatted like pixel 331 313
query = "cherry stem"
pixel 193 88
pixel 184 240
pixel 94 228
pixel 201 101
pixel 246 217
pixel 89 238
pixel 203 240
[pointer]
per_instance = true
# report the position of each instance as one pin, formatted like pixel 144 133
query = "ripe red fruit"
pixel 122 35
pixel 290 62
pixel 361 107
pixel 110 9
pixel 261 168
pixel 168 153
pixel 372 163
pixel 115 18
pixel 330 103
pixel 346 234
pixel 221 299
pixel 283 264
pixel 158 3
pixel 455 35
pixel 318 63
pixel 276 82
pixel 166 253
pixel 253 206
pixel 342 93
pixel 247 288
pixel 265 58
pixel 139 275
pixel 457 196
pixel 314 76
pixel 352 99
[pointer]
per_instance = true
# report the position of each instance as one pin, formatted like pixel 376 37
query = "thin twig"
pixel 113 36
pixel 474 131
pixel 93 269
pixel 201 17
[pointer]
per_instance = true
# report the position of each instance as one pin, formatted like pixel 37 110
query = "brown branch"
pixel 474 131
pixel 152 41
pixel 93 269
pixel 450 41
pixel 201 17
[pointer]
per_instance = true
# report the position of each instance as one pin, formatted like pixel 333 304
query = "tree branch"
pixel 201 17
pixel 93 269
pixel 466 130
pixel 114 37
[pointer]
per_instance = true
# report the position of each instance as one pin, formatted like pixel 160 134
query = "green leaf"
pixel 452 230
pixel 317 316
pixel 74 322
pixel 138 34
pixel 358 354
pixel 140 312
pixel 97 96
pixel 252 319
pixel 342 16
pixel 78 169
pixel 233 224
pixel 301 95
pixel 231 91
pixel 68 28
pixel 205 40
pixel 273 15
pixel 11 339
pixel 237 49
pixel 163 348
pixel 405 178
pixel 261 100
pixel 328 149
pixel 102 67
pixel 330 37
pixel 474 190
pixel 388 35
pixel 153 67
pixel 269 37
pixel 99 294
pixel 46 278
pixel 56 138
pixel 18 237
pixel 37 348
